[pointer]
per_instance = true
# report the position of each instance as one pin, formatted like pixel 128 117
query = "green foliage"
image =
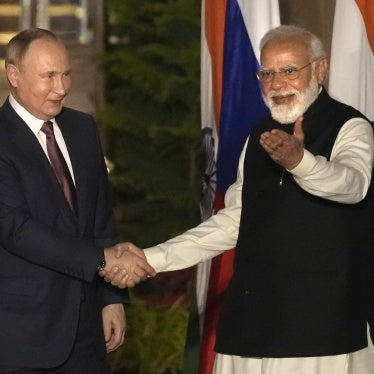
pixel 154 339
pixel 152 119
pixel 151 127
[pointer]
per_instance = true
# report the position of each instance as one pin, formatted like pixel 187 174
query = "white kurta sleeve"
pixel 344 178
pixel 209 239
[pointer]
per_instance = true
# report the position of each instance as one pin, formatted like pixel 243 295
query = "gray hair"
pixel 314 44
pixel 19 44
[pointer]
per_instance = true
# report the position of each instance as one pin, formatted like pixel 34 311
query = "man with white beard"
pixel 300 218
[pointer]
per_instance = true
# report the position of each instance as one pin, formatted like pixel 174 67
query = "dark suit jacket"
pixel 48 256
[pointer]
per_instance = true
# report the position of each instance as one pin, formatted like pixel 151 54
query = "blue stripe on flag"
pixel 242 105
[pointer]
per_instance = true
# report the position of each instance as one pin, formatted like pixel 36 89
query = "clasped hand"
pixel 126 265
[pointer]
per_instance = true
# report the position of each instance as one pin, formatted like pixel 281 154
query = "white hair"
pixel 314 44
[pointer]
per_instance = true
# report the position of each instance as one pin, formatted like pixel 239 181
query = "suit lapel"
pixel 25 139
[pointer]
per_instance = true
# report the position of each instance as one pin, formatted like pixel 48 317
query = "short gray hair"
pixel 314 44
pixel 19 44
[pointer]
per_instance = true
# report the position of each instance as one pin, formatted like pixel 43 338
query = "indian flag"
pixel 231 104
pixel 352 55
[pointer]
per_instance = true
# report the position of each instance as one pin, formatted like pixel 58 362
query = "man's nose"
pixel 61 85
pixel 278 81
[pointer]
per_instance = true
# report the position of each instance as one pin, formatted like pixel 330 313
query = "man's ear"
pixel 12 73
pixel 321 70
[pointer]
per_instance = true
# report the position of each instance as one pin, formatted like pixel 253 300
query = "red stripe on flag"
pixel 220 275
pixel 367 10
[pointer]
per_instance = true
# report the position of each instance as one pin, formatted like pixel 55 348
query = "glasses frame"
pixel 282 73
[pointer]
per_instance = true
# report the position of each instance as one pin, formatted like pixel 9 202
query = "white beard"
pixel 288 113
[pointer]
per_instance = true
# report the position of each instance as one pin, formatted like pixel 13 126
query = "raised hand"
pixel 126 265
pixel 285 149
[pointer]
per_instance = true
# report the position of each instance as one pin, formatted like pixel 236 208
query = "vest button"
pixel 246 292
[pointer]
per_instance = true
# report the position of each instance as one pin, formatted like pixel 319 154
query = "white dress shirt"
pixel 35 125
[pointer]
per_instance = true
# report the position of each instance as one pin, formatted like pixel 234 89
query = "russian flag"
pixel 231 103
pixel 352 55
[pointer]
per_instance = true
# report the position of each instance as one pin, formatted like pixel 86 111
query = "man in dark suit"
pixel 56 315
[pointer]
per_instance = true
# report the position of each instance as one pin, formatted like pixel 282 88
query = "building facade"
pixel 79 24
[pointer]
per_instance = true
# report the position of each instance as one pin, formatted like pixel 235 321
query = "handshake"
pixel 126 265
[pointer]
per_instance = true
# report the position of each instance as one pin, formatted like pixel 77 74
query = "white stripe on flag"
pixel 259 16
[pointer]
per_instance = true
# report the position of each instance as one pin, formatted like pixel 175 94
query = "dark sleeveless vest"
pixel 297 284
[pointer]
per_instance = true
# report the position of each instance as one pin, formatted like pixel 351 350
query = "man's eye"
pixel 267 74
pixel 289 71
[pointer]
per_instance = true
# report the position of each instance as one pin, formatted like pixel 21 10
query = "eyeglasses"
pixel 288 73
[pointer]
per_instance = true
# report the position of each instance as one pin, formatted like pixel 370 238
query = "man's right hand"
pixel 126 265
pixel 285 149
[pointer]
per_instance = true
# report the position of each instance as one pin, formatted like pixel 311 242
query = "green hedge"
pixel 155 339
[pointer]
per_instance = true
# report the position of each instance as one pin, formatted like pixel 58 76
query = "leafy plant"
pixel 152 117
pixel 151 133
pixel 154 339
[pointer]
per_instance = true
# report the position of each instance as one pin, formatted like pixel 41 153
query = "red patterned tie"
pixel 59 165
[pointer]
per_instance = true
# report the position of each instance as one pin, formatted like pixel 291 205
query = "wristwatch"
pixel 101 264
